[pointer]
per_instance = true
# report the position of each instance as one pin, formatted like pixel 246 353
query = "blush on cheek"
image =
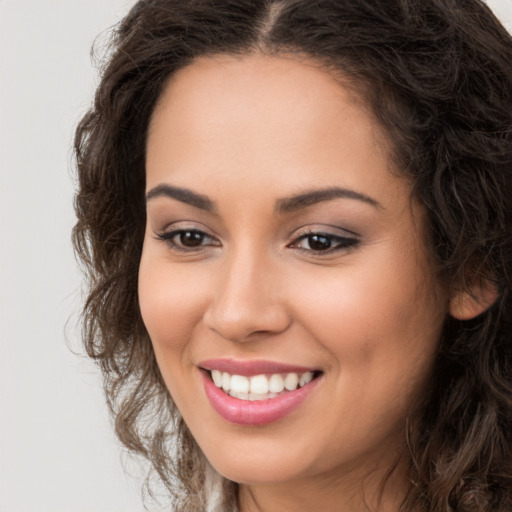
pixel 166 327
pixel 156 309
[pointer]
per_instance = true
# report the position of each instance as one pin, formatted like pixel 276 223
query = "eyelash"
pixel 342 243
pixel 168 238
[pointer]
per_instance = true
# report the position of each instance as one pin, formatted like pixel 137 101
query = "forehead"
pixel 282 119
pixel 282 87
pixel 257 78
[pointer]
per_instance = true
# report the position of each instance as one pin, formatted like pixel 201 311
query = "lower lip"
pixel 258 412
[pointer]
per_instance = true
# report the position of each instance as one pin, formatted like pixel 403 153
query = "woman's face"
pixel 280 243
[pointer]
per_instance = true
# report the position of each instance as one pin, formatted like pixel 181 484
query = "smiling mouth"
pixel 260 387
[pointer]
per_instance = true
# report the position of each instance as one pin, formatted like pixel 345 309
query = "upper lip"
pixel 254 367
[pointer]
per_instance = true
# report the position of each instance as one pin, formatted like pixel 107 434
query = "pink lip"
pixel 250 368
pixel 258 412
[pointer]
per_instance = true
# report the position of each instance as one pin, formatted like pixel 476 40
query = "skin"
pixel 248 132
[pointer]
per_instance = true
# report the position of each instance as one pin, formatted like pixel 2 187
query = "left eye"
pixel 187 239
pixel 323 242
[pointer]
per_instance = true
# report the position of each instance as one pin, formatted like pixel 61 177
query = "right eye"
pixel 188 239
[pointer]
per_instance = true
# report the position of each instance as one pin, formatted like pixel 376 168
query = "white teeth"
pixel 257 396
pixel 239 384
pixel 226 381
pixel 291 381
pixel 259 384
pixel 305 378
pixel 276 383
pixel 259 387
pixel 241 395
pixel 252 397
pixel 217 378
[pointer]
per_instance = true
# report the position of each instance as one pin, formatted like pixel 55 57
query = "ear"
pixel 467 304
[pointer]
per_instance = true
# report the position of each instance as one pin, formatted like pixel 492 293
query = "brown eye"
pixel 319 242
pixel 191 238
pixel 188 239
pixel 324 243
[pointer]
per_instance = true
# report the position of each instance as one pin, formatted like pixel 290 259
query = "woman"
pixel 295 216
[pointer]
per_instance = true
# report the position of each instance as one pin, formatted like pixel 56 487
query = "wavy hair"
pixel 437 75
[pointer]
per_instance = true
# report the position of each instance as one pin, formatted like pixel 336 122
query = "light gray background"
pixel 57 449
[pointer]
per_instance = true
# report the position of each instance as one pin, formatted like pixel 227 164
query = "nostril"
pixel 245 329
pixel 248 303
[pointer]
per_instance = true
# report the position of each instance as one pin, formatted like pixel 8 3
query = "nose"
pixel 248 301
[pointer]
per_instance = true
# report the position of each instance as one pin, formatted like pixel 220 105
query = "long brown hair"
pixel 437 75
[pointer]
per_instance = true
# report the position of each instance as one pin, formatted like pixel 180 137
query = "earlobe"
pixel 467 304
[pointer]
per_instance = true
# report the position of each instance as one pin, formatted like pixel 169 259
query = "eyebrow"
pixel 283 206
pixel 183 195
pixel 310 197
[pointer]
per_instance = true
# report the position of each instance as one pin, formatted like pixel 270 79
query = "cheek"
pixel 382 328
pixel 170 303
pixel 387 314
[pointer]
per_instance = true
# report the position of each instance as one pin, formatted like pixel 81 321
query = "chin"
pixel 256 472
pixel 261 461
